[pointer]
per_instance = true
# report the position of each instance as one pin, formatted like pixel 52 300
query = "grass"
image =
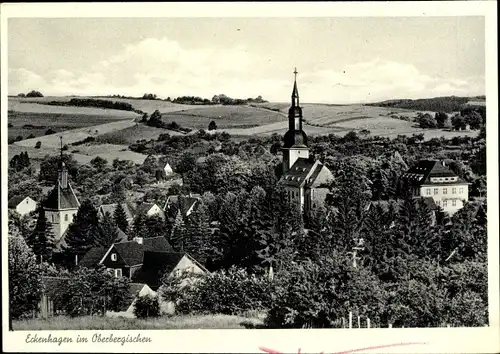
pixel 131 134
pixel 31 105
pixel 224 117
pixel 58 122
pixel 166 322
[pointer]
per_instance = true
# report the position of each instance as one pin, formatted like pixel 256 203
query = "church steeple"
pixel 63 171
pixel 295 92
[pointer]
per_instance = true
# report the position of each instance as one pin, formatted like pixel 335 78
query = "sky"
pixel 339 60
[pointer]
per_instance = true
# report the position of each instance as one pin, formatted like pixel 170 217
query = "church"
pixel 305 180
pixel 61 205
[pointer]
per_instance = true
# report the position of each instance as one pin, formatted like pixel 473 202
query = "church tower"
pixel 62 204
pixel 295 139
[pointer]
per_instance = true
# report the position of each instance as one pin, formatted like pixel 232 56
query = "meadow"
pixel 131 134
pixel 120 323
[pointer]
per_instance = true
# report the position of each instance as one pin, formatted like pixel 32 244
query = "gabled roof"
pixel 155 265
pixel 92 257
pixel 144 208
pixel 132 252
pixel 61 198
pixel 122 236
pixel 425 170
pixel 306 172
pixel 14 201
pixel 110 208
pixel 185 203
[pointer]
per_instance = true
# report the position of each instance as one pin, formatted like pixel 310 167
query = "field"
pixel 131 134
pixel 224 117
pixel 113 323
pixel 114 130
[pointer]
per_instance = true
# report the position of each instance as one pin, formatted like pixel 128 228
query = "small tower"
pixel 62 204
pixel 295 139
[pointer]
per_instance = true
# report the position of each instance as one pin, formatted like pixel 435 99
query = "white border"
pixel 442 340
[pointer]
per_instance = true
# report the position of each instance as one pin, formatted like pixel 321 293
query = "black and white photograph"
pixel 247 173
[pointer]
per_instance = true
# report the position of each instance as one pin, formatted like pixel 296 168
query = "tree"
pixel 473 119
pixel 20 162
pixel 187 162
pixel 178 233
pixel 458 122
pixel 155 120
pixel 108 232
pixel 83 233
pixel 120 218
pixel 197 234
pixel 147 306
pixel 50 165
pixel 441 119
pixel 95 291
pixel 41 240
pixel 38 145
pixel 212 125
pixel 99 163
pixel 25 283
pixel 34 93
pixel 426 121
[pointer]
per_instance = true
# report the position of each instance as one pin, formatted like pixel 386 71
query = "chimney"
pixel 138 240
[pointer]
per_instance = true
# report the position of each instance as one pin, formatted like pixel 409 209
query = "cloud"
pixel 166 68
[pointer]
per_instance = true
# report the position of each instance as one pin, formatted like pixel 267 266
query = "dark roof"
pixel 132 252
pixel 110 208
pixel 14 201
pixel 183 202
pixel 92 257
pixel 122 236
pixel 305 172
pixel 155 265
pixel 295 138
pixel 144 208
pixel 425 169
pixel 61 198
pixel 54 287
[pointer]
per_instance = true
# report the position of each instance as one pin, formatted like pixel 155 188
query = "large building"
pixel 61 205
pixel 305 180
pixel 430 178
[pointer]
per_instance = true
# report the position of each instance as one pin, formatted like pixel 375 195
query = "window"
pixel 118 273
pixel 66 217
pixel 460 190
pixel 27 201
pixel 438 203
pixel 297 120
pixel 445 190
pixel 427 191
pixel 436 191
pixel 453 191
pixel 113 257
pixel 454 202
pixel 445 203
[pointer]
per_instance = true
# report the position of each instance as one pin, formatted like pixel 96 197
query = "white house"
pixel 150 209
pixel 23 205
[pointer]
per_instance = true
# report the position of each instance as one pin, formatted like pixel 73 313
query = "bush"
pixel 212 126
pixel 147 306
pixel 38 145
pixel 224 292
pixel 49 131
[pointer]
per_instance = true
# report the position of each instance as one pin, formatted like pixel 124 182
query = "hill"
pixel 446 104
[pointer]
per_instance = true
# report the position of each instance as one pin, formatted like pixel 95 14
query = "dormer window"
pixel 113 257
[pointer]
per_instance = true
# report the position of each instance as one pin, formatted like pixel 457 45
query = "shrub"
pixel 31 136
pixel 38 145
pixel 34 94
pixel 212 125
pixel 49 131
pixel 147 306
pixel 224 292
pixel 9 125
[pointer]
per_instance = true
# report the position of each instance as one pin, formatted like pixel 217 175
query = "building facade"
pixel 433 179
pixel 61 205
pixel 305 180
pixel 22 205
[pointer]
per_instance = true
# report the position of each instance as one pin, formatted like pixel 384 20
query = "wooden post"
pixel 367 323
pixel 350 319
pixel 359 322
pixel 343 322
pixel 390 325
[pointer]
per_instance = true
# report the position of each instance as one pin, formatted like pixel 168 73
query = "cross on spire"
pixel 295 72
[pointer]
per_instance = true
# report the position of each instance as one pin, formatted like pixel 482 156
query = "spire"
pixel 63 171
pixel 295 92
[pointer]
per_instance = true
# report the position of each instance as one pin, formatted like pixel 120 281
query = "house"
pixel 150 209
pixel 110 208
pixel 22 204
pixel 163 171
pixel 127 309
pixel 124 258
pixel 157 264
pixel 51 303
pixel 61 206
pixel 305 180
pixel 183 203
pixel 431 178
